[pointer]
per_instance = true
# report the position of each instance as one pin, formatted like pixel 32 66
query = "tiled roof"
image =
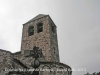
pixel 19 52
pixel 37 17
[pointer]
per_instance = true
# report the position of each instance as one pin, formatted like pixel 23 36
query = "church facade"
pixel 39 32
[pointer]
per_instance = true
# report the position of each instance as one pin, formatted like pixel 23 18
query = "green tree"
pixel 87 74
pixel 94 73
pixel 98 73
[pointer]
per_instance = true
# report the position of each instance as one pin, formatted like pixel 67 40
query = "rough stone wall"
pixel 7 63
pixel 54 42
pixel 25 60
pixel 5 60
pixel 43 40
pixel 55 69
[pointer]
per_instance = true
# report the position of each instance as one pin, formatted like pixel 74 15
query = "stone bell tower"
pixel 41 32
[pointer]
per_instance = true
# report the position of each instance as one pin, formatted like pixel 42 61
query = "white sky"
pixel 78 26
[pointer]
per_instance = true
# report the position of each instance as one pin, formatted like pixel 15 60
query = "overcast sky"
pixel 78 28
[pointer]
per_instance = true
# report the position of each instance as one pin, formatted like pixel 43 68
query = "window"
pixel 53 28
pixel 39 27
pixel 54 50
pixel 31 31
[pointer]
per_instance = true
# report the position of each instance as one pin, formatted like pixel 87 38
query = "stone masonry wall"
pixel 54 69
pixel 54 41
pixel 5 60
pixel 42 40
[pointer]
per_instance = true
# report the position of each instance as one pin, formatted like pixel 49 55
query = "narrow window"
pixel 31 31
pixel 54 50
pixel 53 28
pixel 39 27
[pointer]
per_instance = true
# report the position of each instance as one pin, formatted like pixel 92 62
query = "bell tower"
pixel 41 32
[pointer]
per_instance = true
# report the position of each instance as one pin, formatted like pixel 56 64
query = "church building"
pixel 39 36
